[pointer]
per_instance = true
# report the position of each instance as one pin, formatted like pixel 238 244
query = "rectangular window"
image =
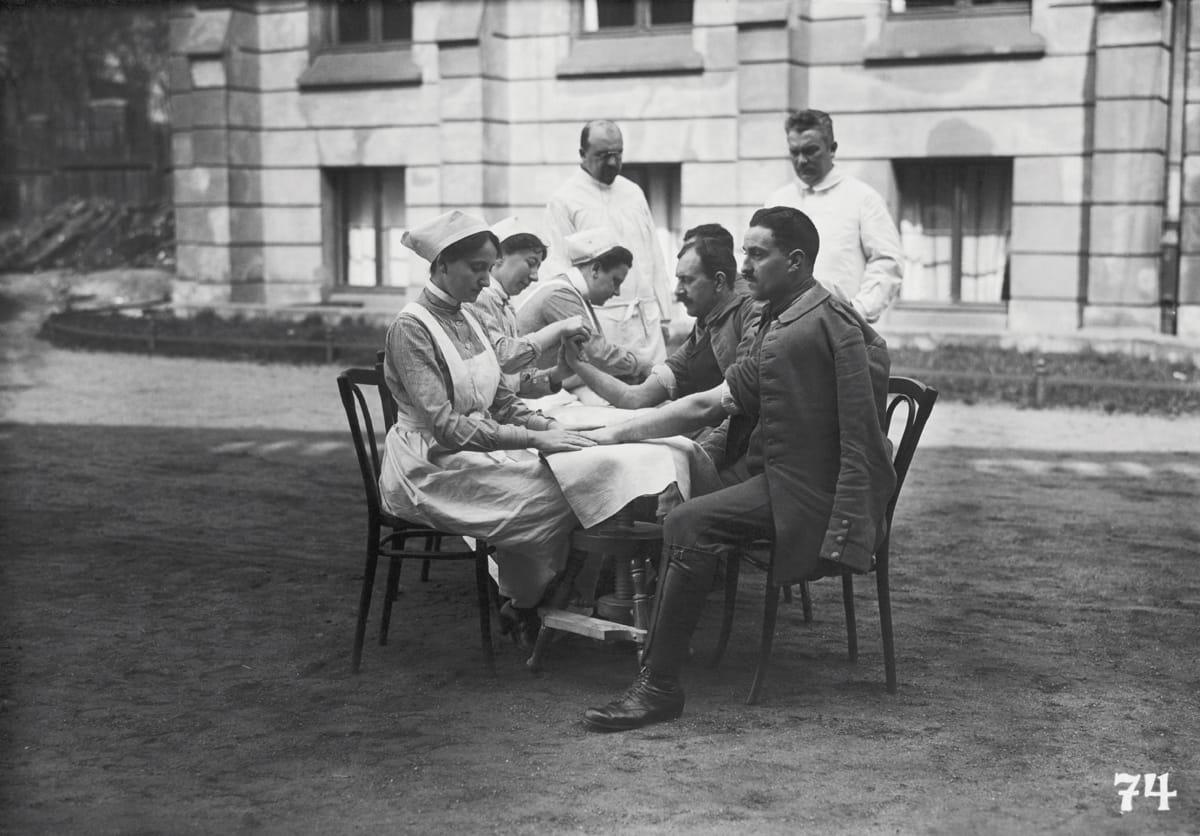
pixel 599 15
pixel 359 44
pixel 366 22
pixel 369 219
pixel 955 220
pixel 660 183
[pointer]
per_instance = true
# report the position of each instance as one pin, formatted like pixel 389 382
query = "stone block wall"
pixel 1126 167
pixel 486 118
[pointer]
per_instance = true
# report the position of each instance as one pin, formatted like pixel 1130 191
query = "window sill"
pixel 935 306
pixel 928 38
pixel 631 53
pixel 354 294
pixel 968 316
pixel 360 69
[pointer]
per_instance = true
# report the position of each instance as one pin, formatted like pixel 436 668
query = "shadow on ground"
pixel 177 616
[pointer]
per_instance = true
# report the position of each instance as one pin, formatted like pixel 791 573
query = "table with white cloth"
pixel 599 484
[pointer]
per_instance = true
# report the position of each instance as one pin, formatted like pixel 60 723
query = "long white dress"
pixel 507 496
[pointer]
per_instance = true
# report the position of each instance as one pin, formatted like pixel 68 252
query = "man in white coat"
pixel 861 259
pixel 598 196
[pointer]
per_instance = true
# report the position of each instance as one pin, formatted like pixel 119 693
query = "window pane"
pixel 926 231
pixel 661 184
pixel 670 11
pixel 358 199
pixel 987 202
pixel 397 20
pixel 352 22
pixel 615 13
pixel 372 215
pixel 402 268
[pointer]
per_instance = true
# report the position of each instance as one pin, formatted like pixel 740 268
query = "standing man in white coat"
pixel 861 259
pixel 598 196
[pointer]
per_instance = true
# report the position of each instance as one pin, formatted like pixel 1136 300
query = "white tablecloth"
pixel 599 481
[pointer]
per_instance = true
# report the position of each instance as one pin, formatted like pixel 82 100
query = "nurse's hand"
pixel 564 330
pixel 602 435
pixel 572 353
pixel 574 328
pixel 560 441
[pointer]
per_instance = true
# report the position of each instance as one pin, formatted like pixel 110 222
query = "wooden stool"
pixel 631 545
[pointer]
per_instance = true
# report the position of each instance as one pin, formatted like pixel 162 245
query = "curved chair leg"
pixel 851 625
pixel 885 618
pixel 391 593
pixel 482 580
pixel 770 607
pixel 733 562
pixel 806 602
pixel 364 599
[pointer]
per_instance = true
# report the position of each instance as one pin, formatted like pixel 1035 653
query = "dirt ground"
pixel 181 548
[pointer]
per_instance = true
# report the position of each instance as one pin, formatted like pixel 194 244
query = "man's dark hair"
pixel 464 248
pixel 807 120
pixel 522 242
pixel 716 256
pixel 720 233
pixel 617 255
pixel 793 230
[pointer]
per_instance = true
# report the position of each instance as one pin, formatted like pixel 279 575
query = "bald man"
pixel 598 196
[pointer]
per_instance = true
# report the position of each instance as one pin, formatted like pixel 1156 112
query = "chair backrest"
pixel 918 400
pixel 351 383
pixel 385 395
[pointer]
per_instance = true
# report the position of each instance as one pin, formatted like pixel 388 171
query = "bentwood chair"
pixel 917 401
pixel 394 537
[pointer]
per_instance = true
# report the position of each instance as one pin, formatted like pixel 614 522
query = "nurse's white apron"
pixel 507 497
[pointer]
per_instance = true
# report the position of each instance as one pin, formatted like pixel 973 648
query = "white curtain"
pixel 374 201
pixel 945 200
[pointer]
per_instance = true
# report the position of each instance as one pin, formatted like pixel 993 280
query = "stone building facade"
pixel 1041 156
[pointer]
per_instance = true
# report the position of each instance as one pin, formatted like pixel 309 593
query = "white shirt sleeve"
pixel 657 272
pixel 885 258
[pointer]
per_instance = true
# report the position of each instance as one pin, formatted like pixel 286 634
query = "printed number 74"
pixel 1150 780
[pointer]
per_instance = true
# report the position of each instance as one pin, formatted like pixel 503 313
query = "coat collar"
pixel 723 309
pixel 808 299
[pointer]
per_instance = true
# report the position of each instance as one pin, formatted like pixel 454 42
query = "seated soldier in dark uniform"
pixel 816 380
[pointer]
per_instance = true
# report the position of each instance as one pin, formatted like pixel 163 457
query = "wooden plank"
pixel 593 628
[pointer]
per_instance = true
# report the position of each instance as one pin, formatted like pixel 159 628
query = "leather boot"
pixel 650 699
pixel 655 695
pixel 682 592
